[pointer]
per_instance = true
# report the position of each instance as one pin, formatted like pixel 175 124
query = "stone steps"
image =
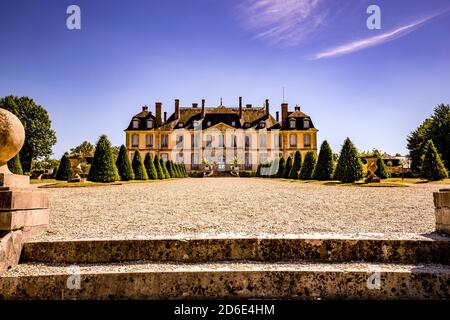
pixel 226 280
pixel 266 267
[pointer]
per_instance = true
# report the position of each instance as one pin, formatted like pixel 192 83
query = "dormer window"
pixel 306 123
pixel 262 125
pixel 135 124
pixel 208 123
pixel 180 125
pixel 233 123
pixel 247 125
pixel 292 123
pixel 149 124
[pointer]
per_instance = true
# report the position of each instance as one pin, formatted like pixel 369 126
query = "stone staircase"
pixel 269 267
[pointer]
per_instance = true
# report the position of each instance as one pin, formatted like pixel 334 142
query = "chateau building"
pixel 221 136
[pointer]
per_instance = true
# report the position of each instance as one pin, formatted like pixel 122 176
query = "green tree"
pixel 436 128
pixel 308 165
pixel 85 149
pixel 14 165
pixel 39 135
pixel 103 168
pixel 170 169
pixel 124 166
pixel 64 172
pixel 158 167
pixel 140 173
pixel 150 167
pixel 382 171
pixel 288 167
pixel 281 165
pixel 258 170
pixel 349 167
pixel 184 170
pixel 177 169
pixel 432 167
pixel 296 166
pixel 325 163
pixel 164 169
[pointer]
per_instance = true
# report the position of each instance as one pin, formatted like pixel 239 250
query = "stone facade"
pixel 221 136
pixel 442 210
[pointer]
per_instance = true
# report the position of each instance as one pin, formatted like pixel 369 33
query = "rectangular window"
pixel 180 157
pixel 135 124
pixel 208 141
pixel 221 141
pixel 164 156
pixel 233 142
pixel 293 140
pixel 135 140
pixel 276 141
pixel 149 140
pixel 149 124
pixel 262 141
pixel 248 141
pixel 262 157
pixel 179 141
pixel 164 141
pixel 307 140
pixel 248 161
pixel 194 140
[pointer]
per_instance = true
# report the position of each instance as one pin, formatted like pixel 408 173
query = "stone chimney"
pixel 203 108
pixel 284 112
pixel 277 116
pixel 195 105
pixel 248 106
pixel 267 107
pixel 158 109
pixel 240 107
pixel 297 108
pixel 165 116
pixel 145 108
pixel 177 109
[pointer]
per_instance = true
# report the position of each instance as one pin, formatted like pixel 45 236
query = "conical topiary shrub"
pixel 170 169
pixel 258 171
pixel 325 163
pixel 65 169
pixel 140 173
pixel 185 174
pixel 103 168
pixel 158 167
pixel 433 168
pixel 382 171
pixel 349 167
pixel 288 167
pixel 176 170
pixel 14 165
pixel 296 165
pixel 123 165
pixel 164 169
pixel 308 166
pixel 280 173
pixel 150 167
pixel 274 167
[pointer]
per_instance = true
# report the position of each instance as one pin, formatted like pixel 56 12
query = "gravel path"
pixel 236 206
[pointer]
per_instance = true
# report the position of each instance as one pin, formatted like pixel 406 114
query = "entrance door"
pixel 221 163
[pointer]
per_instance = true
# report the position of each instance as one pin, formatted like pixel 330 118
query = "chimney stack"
pixel 194 105
pixel 158 109
pixel 240 107
pixel 248 106
pixel 177 109
pixel 145 108
pixel 165 116
pixel 203 108
pixel 297 108
pixel 277 116
pixel 284 112
pixel 267 107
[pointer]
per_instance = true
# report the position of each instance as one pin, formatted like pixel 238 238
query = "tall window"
pixel 248 161
pixel 262 157
pixel 135 124
pixel 149 140
pixel 276 140
pixel 262 141
pixel 248 141
pixel 307 140
pixel 180 141
pixel 149 124
pixel 233 142
pixel 208 141
pixel 293 140
pixel 135 140
pixel 164 141
pixel 195 160
pixel 292 123
pixel 194 140
pixel 180 157
pixel 221 141
pixel 306 123
pixel 164 156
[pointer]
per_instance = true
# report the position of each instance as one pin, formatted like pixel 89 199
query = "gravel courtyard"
pixel 246 206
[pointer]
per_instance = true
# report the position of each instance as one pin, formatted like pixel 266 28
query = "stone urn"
pixel 12 137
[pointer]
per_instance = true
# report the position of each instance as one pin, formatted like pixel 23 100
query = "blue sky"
pixel 374 86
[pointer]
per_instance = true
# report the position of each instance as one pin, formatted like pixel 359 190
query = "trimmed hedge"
pixel 123 165
pixel 296 165
pixel 288 167
pixel 64 169
pixel 308 166
pixel 14 165
pixel 382 171
pixel 281 168
pixel 164 169
pixel 103 168
pixel 349 167
pixel 140 173
pixel 158 167
pixel 433 168
pixel 150 167
pixel 325 163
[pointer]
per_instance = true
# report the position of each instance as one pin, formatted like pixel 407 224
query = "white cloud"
pixel 372 41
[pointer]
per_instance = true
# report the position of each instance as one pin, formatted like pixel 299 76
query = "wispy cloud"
pixel 282 22
pixel 375 40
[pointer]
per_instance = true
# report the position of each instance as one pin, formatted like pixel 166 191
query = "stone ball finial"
pixel 12 136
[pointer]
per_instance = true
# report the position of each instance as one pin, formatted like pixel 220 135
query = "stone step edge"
pixel 249 281
pixel 231 249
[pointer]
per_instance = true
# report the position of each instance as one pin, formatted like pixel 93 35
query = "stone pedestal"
pixel 442 210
